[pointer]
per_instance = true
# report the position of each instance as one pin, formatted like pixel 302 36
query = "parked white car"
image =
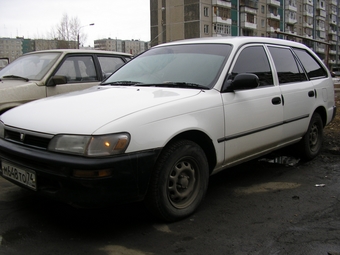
pixel 46 73
pixel 160 125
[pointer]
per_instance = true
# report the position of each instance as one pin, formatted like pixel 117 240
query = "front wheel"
pixel 311 143
pixel 179 181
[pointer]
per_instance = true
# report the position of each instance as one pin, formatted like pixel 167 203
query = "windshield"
pixel 32 66
pixel 198 64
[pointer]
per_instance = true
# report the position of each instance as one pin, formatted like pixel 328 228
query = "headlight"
pixel 92 146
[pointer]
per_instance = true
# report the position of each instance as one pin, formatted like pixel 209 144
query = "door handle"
pixel 311 93
pixel 276 100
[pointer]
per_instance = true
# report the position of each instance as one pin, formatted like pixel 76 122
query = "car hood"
pixel 11 83
pixel 13 91
pixel 83 112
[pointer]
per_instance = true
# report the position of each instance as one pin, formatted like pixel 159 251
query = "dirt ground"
pixel 332 132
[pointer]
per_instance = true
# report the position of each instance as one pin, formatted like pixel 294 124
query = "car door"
pixel 253 117
pixel 80 72
pixel 297 91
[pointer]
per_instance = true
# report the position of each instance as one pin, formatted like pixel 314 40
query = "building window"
pixel 262 22
pixel 222 29
pixel 262 8
pixel 222 12
pixel 206 29
pixel 206 11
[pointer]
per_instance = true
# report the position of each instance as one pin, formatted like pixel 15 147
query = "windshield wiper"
pixel 121 83
pixel 15 77
pixel 175 85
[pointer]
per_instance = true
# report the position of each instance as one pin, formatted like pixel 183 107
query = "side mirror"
pixel 333 74
pixel 57 79
pixel 242 81
pixel 3 62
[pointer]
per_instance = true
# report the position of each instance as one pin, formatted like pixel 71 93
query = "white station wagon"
pixel 157 128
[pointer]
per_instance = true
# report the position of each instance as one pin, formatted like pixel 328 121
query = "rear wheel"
pixel 311 143
pixel 179 181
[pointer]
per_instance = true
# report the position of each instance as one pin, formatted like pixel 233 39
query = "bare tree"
pixel 68 30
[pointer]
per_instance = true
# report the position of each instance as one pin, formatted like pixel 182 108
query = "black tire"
pixel 311 143
pixel 179 181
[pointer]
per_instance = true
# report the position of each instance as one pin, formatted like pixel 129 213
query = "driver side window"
pixel 253 59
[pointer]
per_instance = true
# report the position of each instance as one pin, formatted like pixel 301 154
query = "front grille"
pixel 36 141
pixel 32 139
pixel 11 135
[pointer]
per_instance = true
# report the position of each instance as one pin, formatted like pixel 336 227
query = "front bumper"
pixel 54 174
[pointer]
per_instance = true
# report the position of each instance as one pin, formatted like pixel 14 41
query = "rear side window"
pixel 288 70
pixel 253 59
pixel 109 64
pixel 313 68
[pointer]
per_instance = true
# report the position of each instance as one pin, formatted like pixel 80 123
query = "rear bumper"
pixel 130 174
pixel 334 112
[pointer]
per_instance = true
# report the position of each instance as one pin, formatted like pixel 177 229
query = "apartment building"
pixel 312 22
pixel 133 47
pixel 12 48
pixel 109 44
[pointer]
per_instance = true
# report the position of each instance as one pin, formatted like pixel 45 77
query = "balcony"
pixel 226 4
pixel 333 11
pixel 320 28
pixel 331 32
pixel 307 13
pixel 332 52
pixel 310 2
pixel 248 25
pixel 217 19
pixel 308 36
pixel 319 7
pixel 320 50
pixel 321 14
pixel 273 16
pixel 249 3
pixel 291 20
pixel 332 61
pixel 306 24
pixel 246 9
pixel 332 22
pixel 272 29
pixel 321 34
pixel 333 38
pixel 291 32
pixel 273 2
pixel 291 8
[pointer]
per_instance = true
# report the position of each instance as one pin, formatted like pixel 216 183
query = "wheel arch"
pixel 204 141
pixel 323 114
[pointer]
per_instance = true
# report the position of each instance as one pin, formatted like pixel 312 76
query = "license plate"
pixel 18 174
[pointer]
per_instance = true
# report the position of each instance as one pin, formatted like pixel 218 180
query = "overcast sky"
pixel 121 19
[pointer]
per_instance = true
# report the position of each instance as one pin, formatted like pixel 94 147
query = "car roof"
pixel 237 41
pixel 67 51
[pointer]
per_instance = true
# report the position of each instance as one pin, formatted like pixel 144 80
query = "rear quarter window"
pixel 288 70
pixel 313 68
